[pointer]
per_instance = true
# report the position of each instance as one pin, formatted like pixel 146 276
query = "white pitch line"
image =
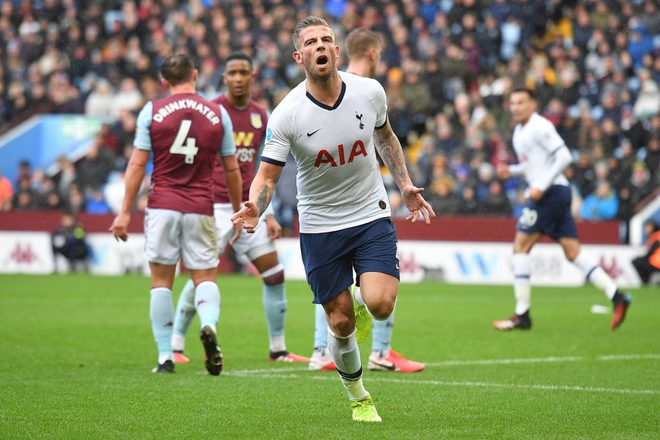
pixel 267 371
pixel 550 359
pixel 628 357
pixel 506 361
pixel 466 384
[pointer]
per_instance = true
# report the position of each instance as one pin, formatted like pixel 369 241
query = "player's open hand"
pixel 248 216
pixel 119 226
pixel 412 197
pixel 273 227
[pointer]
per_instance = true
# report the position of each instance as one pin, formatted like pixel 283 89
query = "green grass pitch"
pixel 77 352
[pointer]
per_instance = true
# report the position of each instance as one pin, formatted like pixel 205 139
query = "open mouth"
pixel 322 60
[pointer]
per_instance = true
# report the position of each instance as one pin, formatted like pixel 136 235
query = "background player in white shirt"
pixel 363 48
pixel 327 123
pixel 542 157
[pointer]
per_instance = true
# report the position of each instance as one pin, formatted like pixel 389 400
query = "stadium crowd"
pixel 448 68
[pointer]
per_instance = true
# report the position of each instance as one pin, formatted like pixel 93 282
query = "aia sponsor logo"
pixel 325 156
pixel 22 254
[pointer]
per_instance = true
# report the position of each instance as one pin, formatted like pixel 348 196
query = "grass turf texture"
pixel 77 352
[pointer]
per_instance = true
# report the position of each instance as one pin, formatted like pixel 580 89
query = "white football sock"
pixel 596 275
pixel 522 288
pixel 346 354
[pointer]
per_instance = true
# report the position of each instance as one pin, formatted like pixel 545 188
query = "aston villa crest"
pixel 255 118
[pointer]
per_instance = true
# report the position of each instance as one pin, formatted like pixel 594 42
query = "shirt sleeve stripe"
pixel 272 161
pixel 384 124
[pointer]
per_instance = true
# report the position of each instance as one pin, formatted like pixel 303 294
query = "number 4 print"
pixel 190 150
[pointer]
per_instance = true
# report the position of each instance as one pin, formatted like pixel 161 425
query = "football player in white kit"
pixel 543 156
pixel 328 123
pixel 363 48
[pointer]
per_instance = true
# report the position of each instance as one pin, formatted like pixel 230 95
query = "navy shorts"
pixel 551 215
pixel 331 257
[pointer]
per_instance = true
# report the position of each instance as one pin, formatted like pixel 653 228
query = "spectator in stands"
pixel 93 169
pixel 442 198
pixel 24 198
pixel 24 201
pixel 95 203
pixel 127 98
pixel 602 204
pixel 6 193
pixel 640 183
pixel 67 175
pixel 649 264
pixel 615 175
pixel 69 241
pixel 24 172
pixel 593 57
pixel 416 94
pixel 444 142
pixel 123 129
pixel 99 102
pixel 584 175
pixel 652 159
pixel 651 17
pixel 53 202
pixel 639 42
pixel 648 100
pixel 485 176
pixel 496 203
pixel 468 203
pixel 75 201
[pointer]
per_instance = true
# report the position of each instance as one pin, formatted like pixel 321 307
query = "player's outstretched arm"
pixel 390 151
pixel 261 193
pixel 134 176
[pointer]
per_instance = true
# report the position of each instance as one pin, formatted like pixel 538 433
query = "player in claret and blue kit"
pixel 249 121
pixel 185 133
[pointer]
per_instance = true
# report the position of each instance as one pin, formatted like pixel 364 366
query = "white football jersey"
pixel 338 177
pixel 534 144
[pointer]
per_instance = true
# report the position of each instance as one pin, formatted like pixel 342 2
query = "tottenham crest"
pixel 255 119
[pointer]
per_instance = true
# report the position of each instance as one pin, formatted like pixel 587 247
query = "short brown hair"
pixel 359 41
pixel 177 69
pixel 531 93
pixel 310 20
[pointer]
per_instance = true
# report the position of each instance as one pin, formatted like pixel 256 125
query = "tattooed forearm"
pixel 390 151
pixel 264 199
